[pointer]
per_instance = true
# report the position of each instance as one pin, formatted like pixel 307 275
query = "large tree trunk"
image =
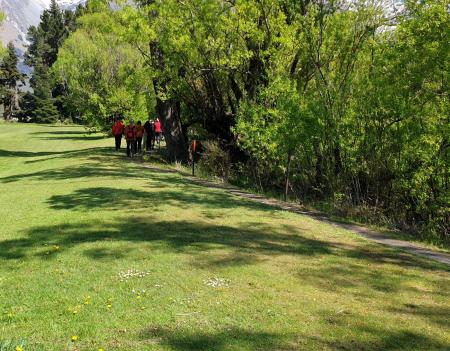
pixel 169 113
pixel 176 143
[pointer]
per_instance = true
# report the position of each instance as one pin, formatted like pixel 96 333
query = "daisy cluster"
pixel 217 282
pixel 132 273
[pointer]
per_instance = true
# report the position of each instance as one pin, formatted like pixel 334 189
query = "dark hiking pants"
pixel 118 141
pixel 150 142
pixel 131 147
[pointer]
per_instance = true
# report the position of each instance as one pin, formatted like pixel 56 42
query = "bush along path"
pixel 365 232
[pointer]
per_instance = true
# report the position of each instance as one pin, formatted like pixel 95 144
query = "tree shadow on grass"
pixel 123 199
pixel 11 153
pixel 75 137
pixel 376 253
pixel 103 152
pixel 42 155
pixel 69 135
pixel 63 132
pixel 351 279
pixel 107 168
pixel 175 236
pixel 381 339
pixel 215 202
pixel 373 275
pixel 438 315
pixel 232 338
pixel 104 253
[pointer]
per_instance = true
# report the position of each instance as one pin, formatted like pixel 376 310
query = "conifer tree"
pixel 10 76
pixel 45 41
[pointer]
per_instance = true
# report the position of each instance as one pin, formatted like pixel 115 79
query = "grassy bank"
pixel 99 249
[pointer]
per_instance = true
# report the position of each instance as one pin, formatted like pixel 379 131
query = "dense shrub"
pixel 215 160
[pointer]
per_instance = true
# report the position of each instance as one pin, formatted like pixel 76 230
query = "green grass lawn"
pixel 127 258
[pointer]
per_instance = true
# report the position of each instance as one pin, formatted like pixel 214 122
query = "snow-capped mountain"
pixel 23 13
pixel 65 4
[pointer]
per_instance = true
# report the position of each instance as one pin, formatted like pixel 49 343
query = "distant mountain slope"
pixel 23 13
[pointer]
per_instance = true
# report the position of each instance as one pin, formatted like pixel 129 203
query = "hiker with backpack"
pixel 117 131
pixel 130 137
pixel 139 135
pixel 150 134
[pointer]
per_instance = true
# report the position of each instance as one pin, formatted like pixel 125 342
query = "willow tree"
pixel 104 75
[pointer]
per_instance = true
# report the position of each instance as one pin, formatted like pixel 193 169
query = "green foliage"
pixel 278 123
pixel 400 108
pixel 377 101
pixel 45 41
pixel 104 74
pixel 9 79
pixel 215 160
pixel 327 100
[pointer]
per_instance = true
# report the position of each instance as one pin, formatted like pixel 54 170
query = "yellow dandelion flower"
pixel 100 349
pixel 109 306
pixel 19 348
pixel 74 338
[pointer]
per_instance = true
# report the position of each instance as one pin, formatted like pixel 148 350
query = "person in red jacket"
pixel 130 137
pixel 117 130
pixel 158 131
pixel 139 135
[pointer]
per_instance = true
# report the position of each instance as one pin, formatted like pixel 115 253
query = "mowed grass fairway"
pixel 95 246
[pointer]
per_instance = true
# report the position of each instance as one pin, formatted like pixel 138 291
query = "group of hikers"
pixel 134 134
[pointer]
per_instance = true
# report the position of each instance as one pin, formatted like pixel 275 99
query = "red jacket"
pixel 139 131
pixel 117 128
pixel 158 127
pixel 130 133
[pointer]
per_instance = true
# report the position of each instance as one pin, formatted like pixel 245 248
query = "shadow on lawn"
pixel 69 135
pixel 380 339
pixel 54 154
pixel 221 340
pixel 366 279
pixel 178 236
pixel 438 315
pixel 211 203
pixel 10 153
pixel 63 132
pixel 190 196
pixel 106 165
pixel 75 137
pixel 231 338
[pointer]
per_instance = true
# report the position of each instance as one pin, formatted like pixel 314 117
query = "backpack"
pixel 130 133
pixel 117 129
